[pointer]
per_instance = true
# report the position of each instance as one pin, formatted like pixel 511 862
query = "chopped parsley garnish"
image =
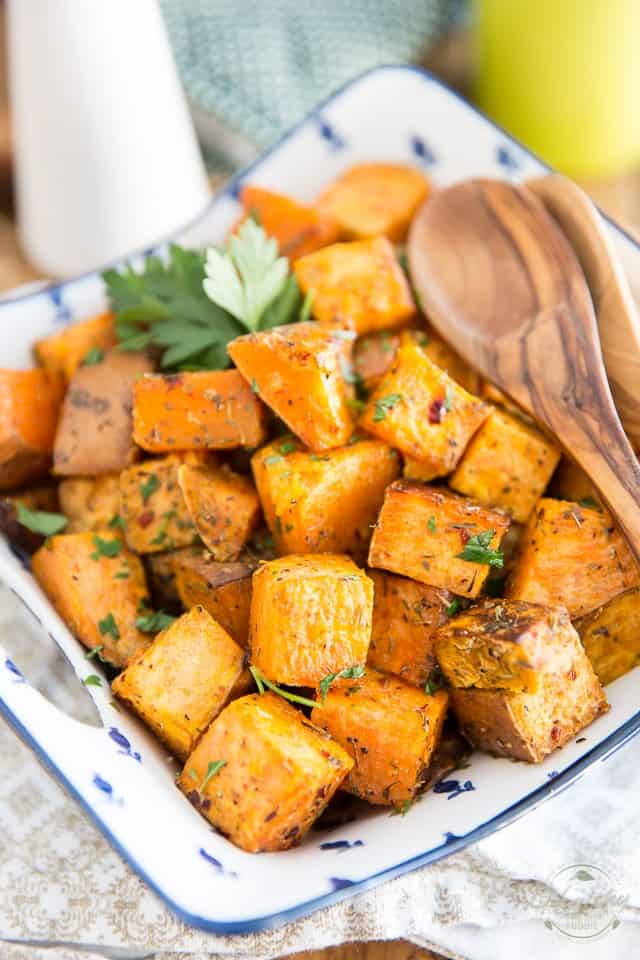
pixel 402 809
pixel 272 458
pixel 318 457
pixel 90 654
pixel 109 626
pixel 93 680
pixel 105 548
pixel 213 767
pixel 121 575
pixel 348 673
pixel 431 524
pixel 454 607
pixel 262 683
pixel 161 536
pixel 254 385
pixel 39 521
pixel 355 404
pixel 155 622
pixel 448 398
pixel 590 503
pixel 117 521
pixel 92 357
pixel 289 446
pixel 435 682
pixel 149 487
pixel 477 549
pixel 384 404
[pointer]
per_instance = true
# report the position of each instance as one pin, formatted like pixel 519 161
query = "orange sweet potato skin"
pixel 406 616
pixel 389 728
pixel 89 503
pixel 224 589
pixel 373 198
pixel 296 369
pixel 572 556
pixel 323 503
pixel 84 589
pixel 421 530
pixel 182 680
pixel 204 410
pixel 611 636
pixel 297 229
pixel 223 506
pixel 359 286
pixel 29 409
pixel 279 775
pixel 419 409
pixel 310 616
pixel 94 435
pixel 64 351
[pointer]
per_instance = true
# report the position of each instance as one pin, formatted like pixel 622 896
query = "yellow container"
pixel 563 76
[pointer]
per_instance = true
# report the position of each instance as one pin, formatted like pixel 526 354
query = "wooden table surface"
pixel 620 197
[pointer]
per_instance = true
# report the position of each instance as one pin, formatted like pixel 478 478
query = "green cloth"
pixel 256 66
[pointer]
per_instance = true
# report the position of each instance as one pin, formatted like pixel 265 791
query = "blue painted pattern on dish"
pixel 329 134
pixel 63 312
pixel 341 844
pixel 215 863
pixel 11 667
pixel 124 744
pixel 422 151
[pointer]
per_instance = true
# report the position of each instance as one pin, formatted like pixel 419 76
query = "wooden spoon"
pixel 501 283
pixel 616 311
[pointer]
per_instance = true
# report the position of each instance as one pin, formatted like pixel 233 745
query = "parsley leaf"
pixel 590 503
pixel 109 625
pixel 154 622
pixel 289 446
pixel 262 683
pixel 105 548
pixel 477 550
pixel 434 682
pixel 38 521
pixel 454 607
pixel 90 654
pixel 93 680
pixel 213 767
pixel 384 404
pixel 117 521
pixel 349 673
pixel 431 524
pixel 149 486
pixel 92 357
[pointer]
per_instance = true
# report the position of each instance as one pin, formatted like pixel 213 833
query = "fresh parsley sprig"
pixel 262 683
pixel 154 622
pixel 477 549
pixel 349 673
pixel 40 521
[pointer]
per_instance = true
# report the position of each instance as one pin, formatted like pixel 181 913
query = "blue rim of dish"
pixel 610 745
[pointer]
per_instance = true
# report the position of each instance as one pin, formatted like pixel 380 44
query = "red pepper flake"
pixel 572 675
pixel 555 732
pixel 464 535
pixel 436 411
pixel 146 518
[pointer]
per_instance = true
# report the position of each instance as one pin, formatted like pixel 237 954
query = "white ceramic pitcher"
pixel 106 157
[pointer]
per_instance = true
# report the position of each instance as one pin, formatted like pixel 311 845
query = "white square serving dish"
pixel 119 774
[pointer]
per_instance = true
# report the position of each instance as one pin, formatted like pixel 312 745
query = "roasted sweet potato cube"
pixel 278 773
pixel 375 353
pixel 66 350
pixel 161 578
pixel 224 589
pixel 419 409
pixel 570 482
pixel 94 435
pixel 296 228
pixel 90 503
pixel 611 636
pixel 503 645
pixel 296 369
pixel 373 198
pixel 40 498
pixel 203 410
pixel 310 616
pixel 406 616
pixel 182 680
pixel 359 286
pixel 529 726
pixel 153 508
pixel 323 503
pixel 223 506
pixel 29 409
pixel 571 556
pixel 437 537
pixel 389 728
pixel 507 464
pixel 97 586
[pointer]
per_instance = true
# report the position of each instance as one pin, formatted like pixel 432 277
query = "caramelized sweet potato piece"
pixel 373 198
pixel 570 482
pixel 572 556
pixel 204 410
pixel 94 434
pixel 325 503
pixel 611 636
pixel 389 728
pixel 406 616
pixel 422 531
pixel 310 616
pixel 224 589
pixel 182 680
pixel 504 645
pixel 153 509
pixel 64 351
pixel 223 506
pixel 521 725
pixel 90 503
pixel 279 773
pixel 297 229
pixel 29 408
pixel 97 586
pixel 419 409
pixel 359 286
pixel 296 370
pixel 507 464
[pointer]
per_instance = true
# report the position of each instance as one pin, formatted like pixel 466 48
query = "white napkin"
pixel 65 895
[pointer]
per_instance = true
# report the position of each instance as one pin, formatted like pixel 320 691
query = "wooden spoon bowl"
pixel 500 281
